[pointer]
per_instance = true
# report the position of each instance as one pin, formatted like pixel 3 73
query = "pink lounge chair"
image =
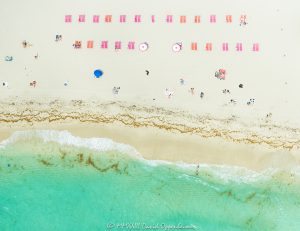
pixel 153 18
pixel 169 19
pixel 229 18
pixel 108 18
pixel 90 44
pixel 137 18
pixel 118 45
pixel 122 18
pixel 194 46
pixel 208 47
pixel 212 18
pixel 131 45
pixel 68 18
pixel 104 44
pixel 225 46
pixel 239 47
pixel 96 19
pixel 182 19
pixel 81 18
pixel 255 47
pixel 197 19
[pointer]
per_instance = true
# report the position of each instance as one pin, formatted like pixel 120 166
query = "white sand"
pixel 269 76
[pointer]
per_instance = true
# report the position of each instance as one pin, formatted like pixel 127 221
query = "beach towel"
pixel 220 74
pixel 194 46
pixel 68 18
pixel 122 18
pixel 77 44
pixel 197 19
pixel 96 19
pixel 225 46
pixel 169 19
pixel 213 18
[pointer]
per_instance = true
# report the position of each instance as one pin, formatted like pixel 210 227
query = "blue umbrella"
pixel 98 73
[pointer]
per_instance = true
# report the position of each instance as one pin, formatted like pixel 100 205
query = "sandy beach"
pixel 161 134
pixel 157 107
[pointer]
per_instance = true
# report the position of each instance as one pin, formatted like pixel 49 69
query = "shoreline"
pixel 157 134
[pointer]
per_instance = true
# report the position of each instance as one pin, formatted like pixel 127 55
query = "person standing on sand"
pixel 169 93
pixel 181 81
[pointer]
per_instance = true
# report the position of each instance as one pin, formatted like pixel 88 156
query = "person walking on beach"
pixel 169 93
pixel 181 81
pixel 201 95
pixel 197 169
pixel 24 43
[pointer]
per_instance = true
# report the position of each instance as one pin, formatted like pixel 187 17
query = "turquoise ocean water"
pixel 54 181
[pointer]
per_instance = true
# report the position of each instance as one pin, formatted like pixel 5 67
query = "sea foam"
pixel 66 138
pixel 225 173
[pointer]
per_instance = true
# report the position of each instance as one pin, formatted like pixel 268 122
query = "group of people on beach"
pixel 220 74
pixel 116 90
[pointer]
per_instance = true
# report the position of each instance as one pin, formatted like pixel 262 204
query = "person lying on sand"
pixel 26 44
pixel 33 83
pixel 192 90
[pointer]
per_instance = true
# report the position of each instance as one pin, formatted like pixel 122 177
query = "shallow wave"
pixel 225 173
pixel 66 138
